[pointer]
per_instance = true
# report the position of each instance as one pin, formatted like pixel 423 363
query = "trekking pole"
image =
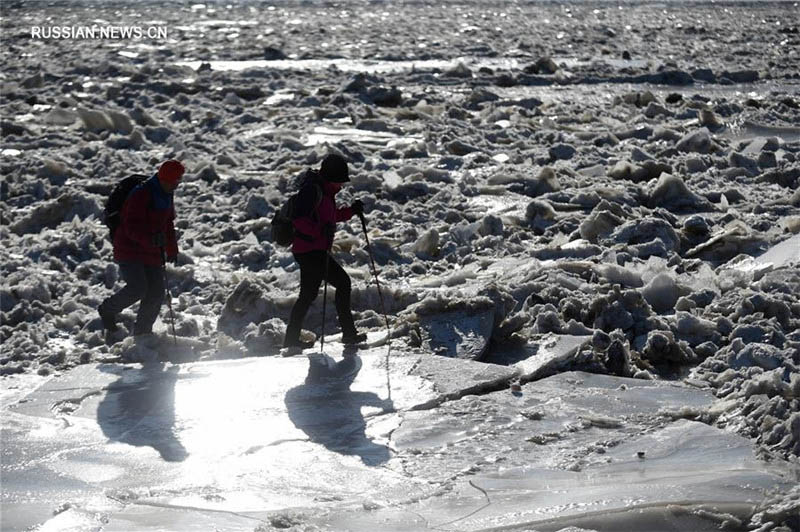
pixel 169 294
pixel 383 307
pixel 324 302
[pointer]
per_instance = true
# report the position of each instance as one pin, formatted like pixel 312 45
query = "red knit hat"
pixel 171 171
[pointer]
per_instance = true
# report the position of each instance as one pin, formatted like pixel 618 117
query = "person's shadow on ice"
pixel 332 417
pixel 139 409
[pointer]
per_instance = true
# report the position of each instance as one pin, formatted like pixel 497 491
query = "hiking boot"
pixel 298 343
pixel 115 337
pixel 149 340
pixel 354 338
pixel 109 320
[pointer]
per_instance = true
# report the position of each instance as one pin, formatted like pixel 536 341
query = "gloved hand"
pixel 159 240
pixel 358 207
pixel 328 231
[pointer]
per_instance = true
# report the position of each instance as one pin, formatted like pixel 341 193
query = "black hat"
pixel 334 169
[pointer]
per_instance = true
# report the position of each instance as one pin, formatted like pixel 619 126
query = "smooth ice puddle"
pixel 326 134
pixel 321 135
pixel 394 66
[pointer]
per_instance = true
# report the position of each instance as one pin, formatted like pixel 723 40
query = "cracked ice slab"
pixel 781 255
pixel 459 334
pixel 551 350
pixel 688 465
pixel 578 450
pixel 216 444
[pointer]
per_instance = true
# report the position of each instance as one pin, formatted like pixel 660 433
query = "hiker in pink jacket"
pixel 315 217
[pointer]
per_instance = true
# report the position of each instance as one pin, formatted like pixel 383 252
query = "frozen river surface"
pixel 235 445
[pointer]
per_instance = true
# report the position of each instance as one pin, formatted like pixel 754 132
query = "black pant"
pixel 145 284
pixel 312 273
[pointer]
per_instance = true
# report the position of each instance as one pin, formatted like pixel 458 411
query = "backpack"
pixel 282 230
pixel 112 214
pixel 282 226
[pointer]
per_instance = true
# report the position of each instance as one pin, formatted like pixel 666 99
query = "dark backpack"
pixel 283 231
pixel 112 215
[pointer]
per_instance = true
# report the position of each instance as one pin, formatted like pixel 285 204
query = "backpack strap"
pixel 306 202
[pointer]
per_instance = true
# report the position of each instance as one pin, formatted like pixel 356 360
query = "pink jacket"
pixel 312 226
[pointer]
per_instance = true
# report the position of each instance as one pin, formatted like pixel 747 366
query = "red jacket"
pixel 147 211
pixel 312 224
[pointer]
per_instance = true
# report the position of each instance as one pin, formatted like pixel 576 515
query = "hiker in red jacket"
pixel 315 218
pixel 143 241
